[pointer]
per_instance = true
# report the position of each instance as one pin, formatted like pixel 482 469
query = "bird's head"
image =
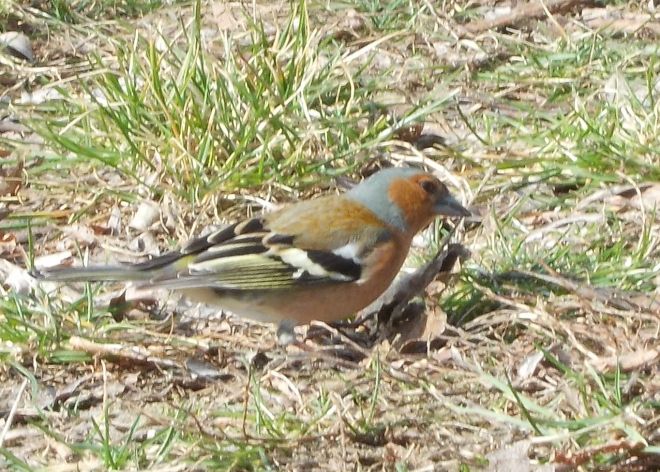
pixel 407 198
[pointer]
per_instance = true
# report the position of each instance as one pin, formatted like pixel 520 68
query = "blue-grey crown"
pixel 371 191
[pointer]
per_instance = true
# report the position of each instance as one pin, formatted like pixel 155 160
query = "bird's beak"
pixel 449 206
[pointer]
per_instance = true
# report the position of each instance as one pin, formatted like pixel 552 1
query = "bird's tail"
pixel 141 271
pixel 93 274
pixel 167 263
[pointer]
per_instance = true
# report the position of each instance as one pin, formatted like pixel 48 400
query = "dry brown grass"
pixel 545 351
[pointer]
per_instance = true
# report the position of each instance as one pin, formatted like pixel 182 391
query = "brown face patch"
pixel 415 197
pixel 435 189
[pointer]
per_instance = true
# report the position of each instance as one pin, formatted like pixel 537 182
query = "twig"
pixel 585 291
pixel 531 10
pixel 12 412
pixel 621 22
pixel 578 458
pixel 119 351
pixel 343 337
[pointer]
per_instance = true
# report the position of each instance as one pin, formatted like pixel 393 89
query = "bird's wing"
pixel 254 255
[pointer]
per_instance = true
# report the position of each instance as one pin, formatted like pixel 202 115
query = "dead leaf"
pixel 146 214
pixel 80 235
pixel 422 335
pixel 285 386
pixel 169 211
pixel 18 45
pixel 16 278
pixel 145 243
pixel 410 133
pixel 429 140
pixel 349 26
pixel 528 365
pixel 390 305
pixel 514 457
pixel 11 180
pixel 201 369
pixel 627 361
pixel 100 230
pixel 646 195
pixel 114 221
pixel 393 453
pixel 7 245
pixel 650 302
pixel 13 128
pixel 39 96
pixel 68 390
pixel 54 259
pixel 118 306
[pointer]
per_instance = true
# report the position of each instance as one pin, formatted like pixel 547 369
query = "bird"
pixel 322 259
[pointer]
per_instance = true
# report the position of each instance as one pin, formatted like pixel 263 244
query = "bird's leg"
pixel 285 332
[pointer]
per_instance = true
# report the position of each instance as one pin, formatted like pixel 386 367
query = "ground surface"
pixel 132 126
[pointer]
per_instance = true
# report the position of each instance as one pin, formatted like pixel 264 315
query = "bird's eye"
pixel 429 186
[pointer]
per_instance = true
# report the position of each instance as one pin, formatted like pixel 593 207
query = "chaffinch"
pixel 323 259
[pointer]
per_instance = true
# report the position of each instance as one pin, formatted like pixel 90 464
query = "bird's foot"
pixel 286 334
